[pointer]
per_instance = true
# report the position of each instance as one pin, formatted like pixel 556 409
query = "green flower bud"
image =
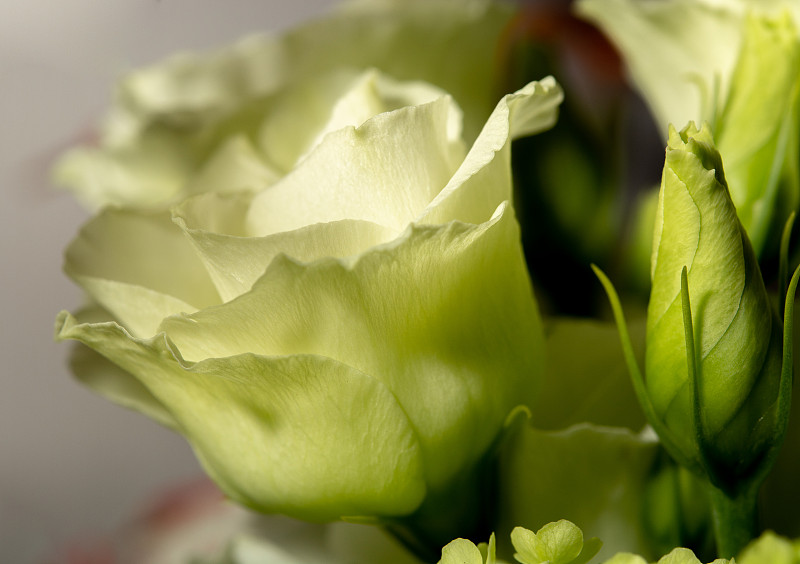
pixel 718 405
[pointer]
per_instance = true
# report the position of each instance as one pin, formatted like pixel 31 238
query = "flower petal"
pixel 110 381
pixel 483 180
pixel 262 426
pixel 431 315
pixel 385 171
pixel 140 267
pixel 217 227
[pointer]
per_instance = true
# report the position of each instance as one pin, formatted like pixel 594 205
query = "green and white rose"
pixel 329 301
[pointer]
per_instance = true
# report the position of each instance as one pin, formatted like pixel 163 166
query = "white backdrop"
pixel 71 464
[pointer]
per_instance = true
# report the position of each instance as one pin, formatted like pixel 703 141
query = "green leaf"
pixel 781 492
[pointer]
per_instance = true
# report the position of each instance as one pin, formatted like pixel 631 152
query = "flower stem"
pixel 735 519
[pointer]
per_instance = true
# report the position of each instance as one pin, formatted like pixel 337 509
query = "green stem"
pixel 735 519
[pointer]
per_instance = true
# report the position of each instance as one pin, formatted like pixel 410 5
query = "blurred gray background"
pixel 72 465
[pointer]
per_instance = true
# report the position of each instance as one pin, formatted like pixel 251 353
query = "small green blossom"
pixel 463 551
pixel 555 543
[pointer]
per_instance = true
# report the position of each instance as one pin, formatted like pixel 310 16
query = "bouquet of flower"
pixel 360 268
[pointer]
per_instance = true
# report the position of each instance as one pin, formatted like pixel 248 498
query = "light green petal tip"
pixel 771 548
pixel 461 551
pixel 625 558
pixel 489 550
pixel 483 180
pixel 679 556
pixel 108 379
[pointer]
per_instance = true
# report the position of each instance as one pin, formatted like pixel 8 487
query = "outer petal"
pixel 484 178
pixel 303 435
pixel 444 316
pixel 139 267
pixel 110 381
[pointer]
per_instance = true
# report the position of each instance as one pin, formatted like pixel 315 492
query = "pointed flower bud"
pixel 719 403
